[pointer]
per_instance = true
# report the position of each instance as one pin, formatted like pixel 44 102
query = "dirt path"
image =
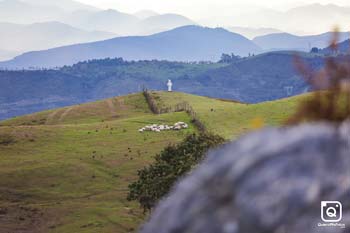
pixel 50 117
pixel 121 103
pixel 112 107
pixel 65 113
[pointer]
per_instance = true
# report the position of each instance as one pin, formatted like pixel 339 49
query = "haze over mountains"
pixel 251 33
pixel 303 20
pixel 286 41
pixel 188 43
pixel 21 38
pixel 28 25
pixel 31 25
pixel 88 18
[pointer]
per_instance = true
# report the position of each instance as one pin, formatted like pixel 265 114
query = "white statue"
pixel 170 85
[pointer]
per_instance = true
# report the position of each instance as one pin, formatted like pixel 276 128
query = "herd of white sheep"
pixel 159 128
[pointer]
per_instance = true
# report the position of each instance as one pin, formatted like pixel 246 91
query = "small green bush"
pixel 175 161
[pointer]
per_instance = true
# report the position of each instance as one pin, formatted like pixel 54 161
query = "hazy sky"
pixel 226 13
pixel 196 8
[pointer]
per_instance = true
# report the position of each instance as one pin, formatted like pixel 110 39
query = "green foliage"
pixel 172 163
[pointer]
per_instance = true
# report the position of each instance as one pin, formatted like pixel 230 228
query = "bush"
pixel 331 99
pixel 175 161
pixel 6 139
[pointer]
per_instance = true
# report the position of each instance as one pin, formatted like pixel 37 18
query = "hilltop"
pixel 67 170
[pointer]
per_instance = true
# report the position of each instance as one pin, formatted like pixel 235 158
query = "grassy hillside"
pixel 67 170
pixel 232 119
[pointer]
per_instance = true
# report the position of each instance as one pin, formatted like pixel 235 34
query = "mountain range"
pixel 24 38
pixel 286 41
pixel 88 18
pixel 188 43
pixel 126 24
pixel 30 25
pixel 303 20
pixel 251 33
pixel 48 24
pixel 19 12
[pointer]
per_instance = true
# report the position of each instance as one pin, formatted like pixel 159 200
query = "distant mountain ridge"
pixel 286 41
pixel 302 20
pixel 341 48
pixel 127 24
pixel 144 14
pixel 251 33
pixel 89 18
pixel 188 43
pixel 66 5
pixel 19 12
pixel 38 36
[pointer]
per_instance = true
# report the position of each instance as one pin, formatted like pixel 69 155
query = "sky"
pixel 227 13
pixel 196 8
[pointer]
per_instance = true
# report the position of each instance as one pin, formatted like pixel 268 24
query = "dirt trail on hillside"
pixel 65 113
pixel 121 103
pixel 112 107
pixel 51 116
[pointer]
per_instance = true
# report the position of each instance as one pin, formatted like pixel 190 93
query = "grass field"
pixel 67 170
pixel 231 119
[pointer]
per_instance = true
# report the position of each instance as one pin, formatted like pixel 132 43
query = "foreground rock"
pixel 272 181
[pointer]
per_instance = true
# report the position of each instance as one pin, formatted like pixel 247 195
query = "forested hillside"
pixel 254 79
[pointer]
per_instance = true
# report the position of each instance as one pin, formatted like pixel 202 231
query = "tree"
pixel 227 58
pixel 175 161
pixel 314 50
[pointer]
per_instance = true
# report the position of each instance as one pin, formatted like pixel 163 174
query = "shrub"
pixel 156 180
pixel 6 139
pixel 331 99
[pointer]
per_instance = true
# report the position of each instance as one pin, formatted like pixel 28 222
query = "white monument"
pixel 170 85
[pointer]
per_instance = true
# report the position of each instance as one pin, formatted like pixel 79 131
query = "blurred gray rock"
pixel 271 181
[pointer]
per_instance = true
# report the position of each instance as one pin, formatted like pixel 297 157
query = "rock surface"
pixel 271 181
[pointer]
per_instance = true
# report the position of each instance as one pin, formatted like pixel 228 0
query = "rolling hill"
pixel 255 79
pixel 188 43
pixel 67 170
pixel 285 41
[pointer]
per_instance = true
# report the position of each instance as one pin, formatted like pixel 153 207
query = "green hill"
pixel 67 170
